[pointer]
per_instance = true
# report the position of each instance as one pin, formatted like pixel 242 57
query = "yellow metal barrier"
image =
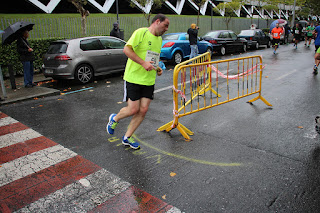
pixel 198 75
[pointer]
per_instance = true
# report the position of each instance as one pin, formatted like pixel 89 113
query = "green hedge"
pixel 9 55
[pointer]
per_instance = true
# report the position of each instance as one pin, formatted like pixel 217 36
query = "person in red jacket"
pixel 276 33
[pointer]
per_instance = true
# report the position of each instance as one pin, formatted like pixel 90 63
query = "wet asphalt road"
pixel 243 158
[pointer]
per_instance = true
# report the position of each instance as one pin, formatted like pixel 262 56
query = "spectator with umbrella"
pixel 20 31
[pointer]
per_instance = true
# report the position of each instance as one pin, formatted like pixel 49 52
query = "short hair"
pixel 159 16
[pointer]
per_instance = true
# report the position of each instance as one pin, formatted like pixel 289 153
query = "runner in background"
pixel 276 33
pixel 297 31
pixel 316 33
pixel 309 34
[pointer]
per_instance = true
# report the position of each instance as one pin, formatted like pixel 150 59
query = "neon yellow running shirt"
pixel 141 42
pixel 318 51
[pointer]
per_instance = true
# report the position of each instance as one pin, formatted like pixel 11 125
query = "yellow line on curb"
pixel 186 158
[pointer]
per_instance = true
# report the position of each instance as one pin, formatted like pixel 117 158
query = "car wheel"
pixel 84 73
pixel 269 44
pixel 222 50
pixel 257 45
pixel 209 50
pixel 177 57
pixel 244 48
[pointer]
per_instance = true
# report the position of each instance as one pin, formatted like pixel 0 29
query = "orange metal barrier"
pixel 193 84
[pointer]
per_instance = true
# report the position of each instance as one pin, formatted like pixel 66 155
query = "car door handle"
pixel 108 53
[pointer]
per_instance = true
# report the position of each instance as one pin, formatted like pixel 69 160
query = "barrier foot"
pixel 182 129
pixel 185 132
pixel 262 99
pixel 167 127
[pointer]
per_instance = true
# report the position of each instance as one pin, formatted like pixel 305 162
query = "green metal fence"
pixel 71 27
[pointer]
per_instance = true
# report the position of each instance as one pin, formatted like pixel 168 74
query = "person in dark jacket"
pixel 193 40
pixel 115 32
pixel 27 58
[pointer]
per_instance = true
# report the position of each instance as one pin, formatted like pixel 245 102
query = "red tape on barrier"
pixel 241 75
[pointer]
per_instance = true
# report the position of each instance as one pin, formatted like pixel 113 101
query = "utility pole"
pixel 293 14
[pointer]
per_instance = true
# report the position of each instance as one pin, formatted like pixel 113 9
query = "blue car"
pixel 176 47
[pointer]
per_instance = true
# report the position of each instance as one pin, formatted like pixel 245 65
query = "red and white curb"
pixel 39 175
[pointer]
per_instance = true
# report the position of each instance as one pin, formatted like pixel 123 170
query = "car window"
pixel 212 34
pixel 187 37
pixel 233 35
pixel 111 43
pixel 170 37
pixel 56 48
pixel 257 34
pixel 90 44
pixel 246 33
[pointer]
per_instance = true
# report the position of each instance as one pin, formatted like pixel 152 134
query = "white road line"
pixel 7 120
pixel 76 197
pixel 29 164
pixel 285 75
pixel 17 137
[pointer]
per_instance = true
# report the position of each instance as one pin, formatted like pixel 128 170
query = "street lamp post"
pixel 117 8
pixel 293 13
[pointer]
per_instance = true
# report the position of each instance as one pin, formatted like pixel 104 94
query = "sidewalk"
pixel 22 93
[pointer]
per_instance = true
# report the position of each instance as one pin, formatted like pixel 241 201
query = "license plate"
pixel 49 71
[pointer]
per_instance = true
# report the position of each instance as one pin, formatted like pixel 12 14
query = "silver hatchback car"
pixel 84 58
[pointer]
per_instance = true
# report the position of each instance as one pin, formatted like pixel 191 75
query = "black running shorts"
pixel 135 92
pixel 275 41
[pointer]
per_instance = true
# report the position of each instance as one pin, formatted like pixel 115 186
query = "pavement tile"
pixel 39 175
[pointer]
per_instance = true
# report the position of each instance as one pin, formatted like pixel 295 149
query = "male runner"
pixel 276 33
pixel 316 33
pixel 296 31
pixel 143 51
pixel 309 35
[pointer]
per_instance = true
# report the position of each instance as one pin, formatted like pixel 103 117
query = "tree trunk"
pixel 83 26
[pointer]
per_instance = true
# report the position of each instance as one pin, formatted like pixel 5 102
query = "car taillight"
pixel 213 41
pixel 250 38
pixel 62 58
pixel 169 44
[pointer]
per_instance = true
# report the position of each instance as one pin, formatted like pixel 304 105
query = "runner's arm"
pixel 317 56
pixel 134 57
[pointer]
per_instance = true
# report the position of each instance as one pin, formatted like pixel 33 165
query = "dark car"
pixel 255 38
pixel 226 41
pixel 176 47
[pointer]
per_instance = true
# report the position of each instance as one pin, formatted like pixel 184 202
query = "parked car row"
pixel 83 58
pixel 176 47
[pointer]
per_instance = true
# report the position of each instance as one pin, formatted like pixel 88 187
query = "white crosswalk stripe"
pixel 7 120
pixel 17 137
pixel 32 163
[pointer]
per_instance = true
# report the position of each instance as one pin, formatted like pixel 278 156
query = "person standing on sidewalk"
pixel 143 51
pixel 115 32
pixel 276 33
pixel 316 33
pixel 297 31
pixel 27 58
pixel 193 40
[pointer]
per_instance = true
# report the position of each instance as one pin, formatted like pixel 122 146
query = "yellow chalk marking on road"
pixel 187 158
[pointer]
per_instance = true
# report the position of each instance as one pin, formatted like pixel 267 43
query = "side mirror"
pixel 200 38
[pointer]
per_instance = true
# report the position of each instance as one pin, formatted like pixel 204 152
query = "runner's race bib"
pixel 297 31
pixel 275 34
pixel 154 57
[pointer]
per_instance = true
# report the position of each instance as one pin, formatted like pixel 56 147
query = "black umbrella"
pixel 13 32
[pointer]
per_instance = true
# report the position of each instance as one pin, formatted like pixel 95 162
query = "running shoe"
pixel 130 142
pixel 274 52
pixel 315 70
pixel 112 124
